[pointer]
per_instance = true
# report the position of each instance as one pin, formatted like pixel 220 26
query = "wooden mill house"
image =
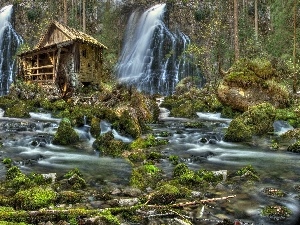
pixel 65 58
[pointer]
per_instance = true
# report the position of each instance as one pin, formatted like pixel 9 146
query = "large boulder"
pixel 258 120
pixel 251 82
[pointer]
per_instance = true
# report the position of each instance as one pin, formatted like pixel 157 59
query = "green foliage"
pixel 73 172
pixel 65 133
pixel 18 110
pixel 7 162
pixel 34 198
pixel 202 14
pixel 68 197
pixel 13 172
pixel 75 179
pixel 248 172
pixel 187 101
pixel 180 169
pixel 109 218
pixel 200 178
pixel 290 115
pixel 174 159
pixel 33 14
pixel 145 176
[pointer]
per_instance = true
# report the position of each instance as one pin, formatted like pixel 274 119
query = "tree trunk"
pixel 65 12
pixel 83 17
pixel 295 46
pixel 256 19
pixel 236 30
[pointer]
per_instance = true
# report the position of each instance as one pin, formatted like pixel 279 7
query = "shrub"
pixel 34 198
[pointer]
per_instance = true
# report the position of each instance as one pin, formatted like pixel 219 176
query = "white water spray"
pixel 9 41
pixel 153 58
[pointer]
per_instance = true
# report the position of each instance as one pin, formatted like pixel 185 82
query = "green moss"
pixel 34 198
pixel 166 194
pixel 95 127
pixel 276 212
pixel 247 73
pixel 18 110
pixel 65 133
pixel 146 142
pixel 274 192
pixel 137 157
pixel 194 124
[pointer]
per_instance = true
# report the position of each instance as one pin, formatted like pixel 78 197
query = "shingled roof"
pixel 71 33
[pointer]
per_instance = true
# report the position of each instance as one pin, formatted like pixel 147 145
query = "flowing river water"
pixel 28 143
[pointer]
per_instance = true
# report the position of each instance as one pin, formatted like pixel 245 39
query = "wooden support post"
pixel 57 63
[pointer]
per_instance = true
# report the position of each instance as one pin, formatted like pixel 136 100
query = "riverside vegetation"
pixel 35 198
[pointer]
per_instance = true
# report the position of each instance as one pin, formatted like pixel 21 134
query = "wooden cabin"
pixel 65 58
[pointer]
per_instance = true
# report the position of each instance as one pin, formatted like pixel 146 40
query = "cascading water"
pixel 153 58
pixel 9 42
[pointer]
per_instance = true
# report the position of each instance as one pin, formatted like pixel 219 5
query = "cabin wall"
pixel 54 36
pixel 90 64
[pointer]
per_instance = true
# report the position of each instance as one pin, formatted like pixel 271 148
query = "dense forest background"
pixel 220 31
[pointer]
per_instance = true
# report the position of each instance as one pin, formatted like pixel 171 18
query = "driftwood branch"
pixel 183 204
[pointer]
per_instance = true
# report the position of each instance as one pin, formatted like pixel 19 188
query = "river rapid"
pixel 28 143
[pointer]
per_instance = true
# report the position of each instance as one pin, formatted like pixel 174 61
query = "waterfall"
pixel 9 42
pixel 153 58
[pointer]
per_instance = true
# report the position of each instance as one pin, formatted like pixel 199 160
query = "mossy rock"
pixel 108 146
pixel 294 147
pixel 258 120
pixel 251 82
pixel 65 133
pixel 128 124
pixel 276 212
pixel 95 127
pixel 238 131
pixel 34 198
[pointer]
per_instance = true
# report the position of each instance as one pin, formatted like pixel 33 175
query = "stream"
pixel 28 143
